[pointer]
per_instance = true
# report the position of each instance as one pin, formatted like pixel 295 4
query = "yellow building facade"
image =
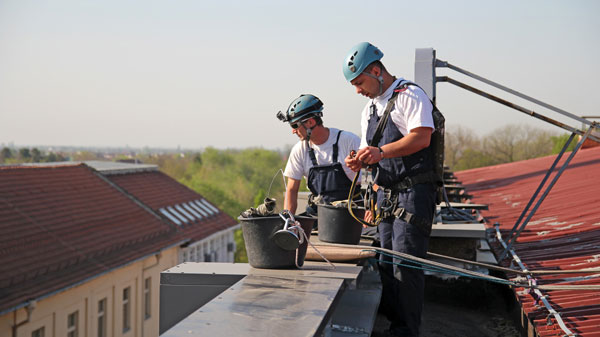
pixel 120 303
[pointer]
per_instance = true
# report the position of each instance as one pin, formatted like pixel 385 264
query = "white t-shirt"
pixel 412 110
pixel 299 162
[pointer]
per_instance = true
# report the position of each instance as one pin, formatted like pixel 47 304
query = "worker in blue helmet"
pixel 318 155
pixel 400 156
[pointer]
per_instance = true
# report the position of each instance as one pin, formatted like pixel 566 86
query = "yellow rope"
pixel 370 208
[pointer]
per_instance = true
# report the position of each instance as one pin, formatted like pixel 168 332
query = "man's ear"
pixel 376 70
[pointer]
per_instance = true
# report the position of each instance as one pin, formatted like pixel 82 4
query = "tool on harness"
pixel 291 236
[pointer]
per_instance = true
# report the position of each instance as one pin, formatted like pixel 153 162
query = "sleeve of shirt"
pixel 364 123
pixel 350 142
pixel 417 108
pixel 295 165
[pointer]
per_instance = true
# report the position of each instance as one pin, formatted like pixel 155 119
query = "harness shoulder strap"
pixel 386 113
pixel 311 153
pixel 334 157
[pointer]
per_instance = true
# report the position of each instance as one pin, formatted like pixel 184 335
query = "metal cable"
pixel 437 266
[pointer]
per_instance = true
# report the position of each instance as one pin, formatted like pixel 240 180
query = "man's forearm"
pixel 291 202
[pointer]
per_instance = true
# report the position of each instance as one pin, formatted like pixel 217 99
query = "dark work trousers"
pixel 403 287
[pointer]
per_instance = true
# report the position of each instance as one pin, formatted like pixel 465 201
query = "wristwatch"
pixel 380 151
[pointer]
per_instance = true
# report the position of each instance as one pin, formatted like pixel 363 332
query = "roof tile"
pixel 65 223
pixel 564 233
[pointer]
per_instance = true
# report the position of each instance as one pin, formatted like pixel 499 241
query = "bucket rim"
pixel 360 208
pixel 271 217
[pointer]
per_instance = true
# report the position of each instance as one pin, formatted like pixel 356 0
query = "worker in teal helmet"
pixel 399 156
pixel 318 155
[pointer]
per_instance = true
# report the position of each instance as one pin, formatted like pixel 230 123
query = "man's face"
pixel 299 129
pixel 367 85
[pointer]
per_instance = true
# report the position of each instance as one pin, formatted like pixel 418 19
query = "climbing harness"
pixel 388 206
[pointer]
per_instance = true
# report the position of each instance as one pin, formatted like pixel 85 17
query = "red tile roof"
pixel 159 191
pixel 63 224
pixel 563 234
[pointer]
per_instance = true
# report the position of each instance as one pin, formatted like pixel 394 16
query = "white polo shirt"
pixel 412 110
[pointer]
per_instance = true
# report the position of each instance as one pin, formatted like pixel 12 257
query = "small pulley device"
pixel 291 236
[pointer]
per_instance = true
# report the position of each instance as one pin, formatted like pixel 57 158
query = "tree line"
pixel 235 180
pixel 465 150
pixel 28 155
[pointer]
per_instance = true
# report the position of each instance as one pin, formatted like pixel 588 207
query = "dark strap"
pixel 407 182
pixel 311 152
pixel 386 113
pixel 335 148
pixel 413 219
pixel 421 178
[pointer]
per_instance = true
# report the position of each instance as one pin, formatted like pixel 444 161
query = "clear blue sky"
pixel 214 73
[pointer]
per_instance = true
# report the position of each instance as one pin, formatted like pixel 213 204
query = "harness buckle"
pixel 400 212
pixel 388 204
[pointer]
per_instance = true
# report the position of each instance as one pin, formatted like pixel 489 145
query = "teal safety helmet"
pixel 359 57
pixel 302 108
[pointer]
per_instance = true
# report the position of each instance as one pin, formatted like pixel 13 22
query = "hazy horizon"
pixel 200 74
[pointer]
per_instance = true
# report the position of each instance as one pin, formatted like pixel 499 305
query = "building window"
pixel 126 309
pixel 147 298
pixel 102 318
pixel 38 333
pixel 73 324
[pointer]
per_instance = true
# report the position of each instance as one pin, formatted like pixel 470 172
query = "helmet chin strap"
pixel 378 78
pixel 308 131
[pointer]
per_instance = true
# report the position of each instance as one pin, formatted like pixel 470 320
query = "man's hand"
pixel 368 217
pixel 369 155
pixel 352 162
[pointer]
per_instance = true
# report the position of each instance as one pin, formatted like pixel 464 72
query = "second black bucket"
pixel 336 224
pixel 262 250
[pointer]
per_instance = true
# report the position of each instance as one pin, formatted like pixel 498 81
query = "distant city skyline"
pixel 197 74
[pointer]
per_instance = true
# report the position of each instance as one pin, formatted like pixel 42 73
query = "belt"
pixel 413 219
pixel 408 182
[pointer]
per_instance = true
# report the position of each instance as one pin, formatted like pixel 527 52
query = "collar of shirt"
pixel 382 99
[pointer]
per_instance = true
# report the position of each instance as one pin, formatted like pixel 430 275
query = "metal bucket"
pixel 261 248
pixel 336 224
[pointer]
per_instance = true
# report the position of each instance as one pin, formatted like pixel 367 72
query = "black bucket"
pixel 336 224
pixel 261 248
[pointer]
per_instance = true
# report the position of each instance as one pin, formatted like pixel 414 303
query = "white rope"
pixel 302 238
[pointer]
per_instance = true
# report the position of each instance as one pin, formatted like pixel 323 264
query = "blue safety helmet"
pixel 302 108
pixel 359 57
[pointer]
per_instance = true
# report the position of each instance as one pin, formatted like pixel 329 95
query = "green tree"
pixel 36 155
pixel 456 141
pixel 51 157
pixel 464 150
pixel 558 142
pixel 24 154
pixel 6 153
pixel 260 197
pixel 86 155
